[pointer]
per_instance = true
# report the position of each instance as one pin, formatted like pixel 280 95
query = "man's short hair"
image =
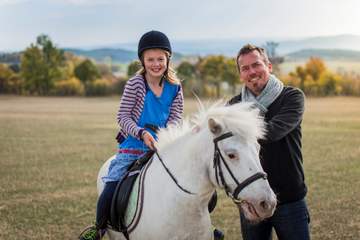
pixel 248 48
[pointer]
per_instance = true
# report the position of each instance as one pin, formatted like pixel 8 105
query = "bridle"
pixel 219 172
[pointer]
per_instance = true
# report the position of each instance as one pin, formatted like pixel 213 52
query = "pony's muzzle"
pixel 266 207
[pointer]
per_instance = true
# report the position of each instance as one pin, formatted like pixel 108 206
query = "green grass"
pixel 51 150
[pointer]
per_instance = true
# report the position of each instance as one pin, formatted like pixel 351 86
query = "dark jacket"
pixel 280 152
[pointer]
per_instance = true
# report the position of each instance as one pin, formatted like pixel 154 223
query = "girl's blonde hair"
pixel 170 73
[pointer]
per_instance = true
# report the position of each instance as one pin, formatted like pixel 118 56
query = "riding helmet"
pixel 153 39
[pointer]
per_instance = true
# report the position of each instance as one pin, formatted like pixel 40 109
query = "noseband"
pixel 219 172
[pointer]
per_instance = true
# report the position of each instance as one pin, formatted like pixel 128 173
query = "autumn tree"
pixel 300 74
pixel 230 74
pixel 211 71
pixel 187 73
pixel 133 67
pixel 218 69
pixel 86 71
pixel 5 75
pixel 315 79
pixel 41 66
pixel 315 67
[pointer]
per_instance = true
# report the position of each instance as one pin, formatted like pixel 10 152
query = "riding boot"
pixel 92 233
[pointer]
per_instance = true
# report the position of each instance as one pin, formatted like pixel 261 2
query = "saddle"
pixel 125 214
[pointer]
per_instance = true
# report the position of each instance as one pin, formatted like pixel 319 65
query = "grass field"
pixel 51 150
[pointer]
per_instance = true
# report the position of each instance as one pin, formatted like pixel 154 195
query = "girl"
pixel 152 97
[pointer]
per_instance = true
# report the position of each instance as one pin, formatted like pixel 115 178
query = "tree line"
pixel 45 69
pixel 315 79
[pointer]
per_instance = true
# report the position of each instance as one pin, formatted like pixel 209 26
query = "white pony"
pixel 201 166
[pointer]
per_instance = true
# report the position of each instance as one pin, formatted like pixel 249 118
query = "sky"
pixel 86 23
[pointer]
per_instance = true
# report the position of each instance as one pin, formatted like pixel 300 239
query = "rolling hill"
pixel 326 54
pixel 339 47
pixel 116 55
pixel 104 54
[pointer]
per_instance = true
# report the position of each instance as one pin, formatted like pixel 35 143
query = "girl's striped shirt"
pixel 132 103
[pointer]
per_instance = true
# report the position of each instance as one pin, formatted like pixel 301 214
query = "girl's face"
pixel 155 62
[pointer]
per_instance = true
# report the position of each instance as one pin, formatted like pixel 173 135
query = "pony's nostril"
pixel 265 205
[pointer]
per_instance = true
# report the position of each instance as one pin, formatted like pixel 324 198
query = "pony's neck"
pixel 189 157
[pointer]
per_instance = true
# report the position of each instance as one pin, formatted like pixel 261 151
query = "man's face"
pixel 254 71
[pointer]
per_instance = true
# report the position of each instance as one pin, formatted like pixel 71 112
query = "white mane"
pixel 172 132
pixel 240 118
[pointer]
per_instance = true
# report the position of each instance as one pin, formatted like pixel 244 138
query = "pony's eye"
pixel 231 155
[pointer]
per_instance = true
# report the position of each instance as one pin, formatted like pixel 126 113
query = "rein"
pixel 219 172
pixel 155 129
pixel 170 174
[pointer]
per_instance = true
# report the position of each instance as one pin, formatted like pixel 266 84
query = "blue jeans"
pixel 290 222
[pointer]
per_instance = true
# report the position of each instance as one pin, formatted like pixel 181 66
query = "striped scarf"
pixel 268 95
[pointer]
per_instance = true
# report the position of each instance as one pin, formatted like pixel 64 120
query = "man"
pixel 280 154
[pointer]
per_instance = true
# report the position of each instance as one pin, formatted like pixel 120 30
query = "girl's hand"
pixel 148 140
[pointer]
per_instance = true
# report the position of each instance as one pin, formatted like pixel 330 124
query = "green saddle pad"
pixel 133 202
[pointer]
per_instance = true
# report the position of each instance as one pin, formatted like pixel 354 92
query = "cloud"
pixel 88 2
pixel 11 2
pixel 96 22
pixel 65 2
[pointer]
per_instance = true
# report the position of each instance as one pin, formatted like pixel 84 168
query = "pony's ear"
pixel 214 127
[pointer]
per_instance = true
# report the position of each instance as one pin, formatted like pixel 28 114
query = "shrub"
pixel 99 87
pixel 329 84
pixel 69 87
pixel 311 87
pixel 291 80
pixel 118 86
pixel 10 81
pixel 15 85
pixel 350 84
